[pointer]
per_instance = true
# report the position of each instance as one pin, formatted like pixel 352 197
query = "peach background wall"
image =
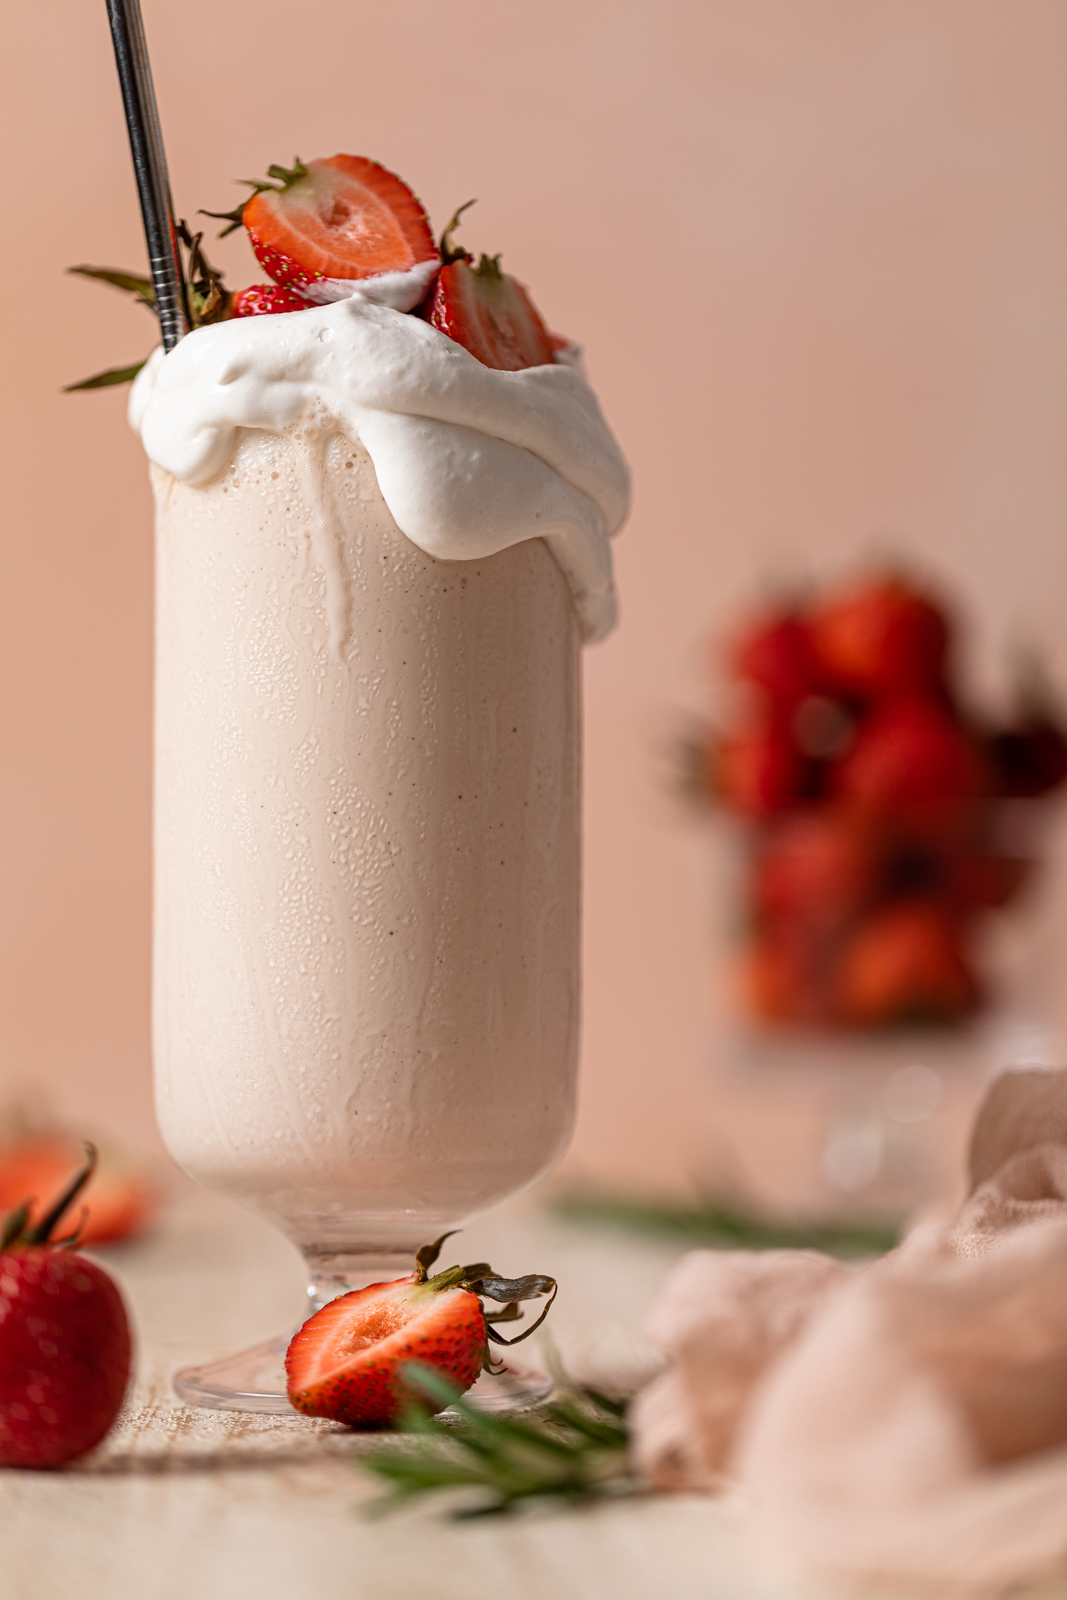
pixel 817 251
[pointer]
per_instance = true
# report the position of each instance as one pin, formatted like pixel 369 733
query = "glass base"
pixel 254 1380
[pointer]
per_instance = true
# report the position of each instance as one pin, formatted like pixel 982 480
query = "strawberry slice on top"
pixel 488 311
pixel 340 218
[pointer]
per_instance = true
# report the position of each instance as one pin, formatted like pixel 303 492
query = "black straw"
pixel 150 167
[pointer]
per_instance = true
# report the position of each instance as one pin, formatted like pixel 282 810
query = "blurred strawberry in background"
pixel 875 807
pixel 910 755
pixel 883 637
pixel 36 1160
pixel 904 963
pixel 760 773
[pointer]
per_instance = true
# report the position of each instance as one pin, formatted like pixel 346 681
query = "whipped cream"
pixel 469 460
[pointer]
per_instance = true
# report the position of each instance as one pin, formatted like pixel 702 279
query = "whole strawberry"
pixel 64 1340
pixel 347 1361
pixel 883 637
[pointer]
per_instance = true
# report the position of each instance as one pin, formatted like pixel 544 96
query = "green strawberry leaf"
pixel 131 282
pixel 105 380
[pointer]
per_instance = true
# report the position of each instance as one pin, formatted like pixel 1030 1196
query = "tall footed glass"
pixel 366 867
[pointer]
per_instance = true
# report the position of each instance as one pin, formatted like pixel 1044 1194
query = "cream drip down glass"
pixel 376 561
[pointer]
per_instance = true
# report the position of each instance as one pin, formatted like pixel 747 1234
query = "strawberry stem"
pixel 425 1258
pixel 42 1233
pixel 449 251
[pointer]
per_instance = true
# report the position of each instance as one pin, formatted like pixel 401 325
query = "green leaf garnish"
pixel 131 282
pixel 106 380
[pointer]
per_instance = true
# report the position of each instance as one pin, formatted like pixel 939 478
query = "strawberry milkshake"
pixel 382 539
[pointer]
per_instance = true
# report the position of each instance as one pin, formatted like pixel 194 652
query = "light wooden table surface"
pixel 184 1504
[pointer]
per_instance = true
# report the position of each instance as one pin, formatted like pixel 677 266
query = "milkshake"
pixel 366 936
pixel 377 560
pixel 384 496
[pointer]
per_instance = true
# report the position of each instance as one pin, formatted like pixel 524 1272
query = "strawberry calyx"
pixel 207 298
pixel 284 177
pixel 478 1278
pixel 18 1232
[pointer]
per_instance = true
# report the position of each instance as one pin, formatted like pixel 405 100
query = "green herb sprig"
pixel 572 1449
pixel 720 1225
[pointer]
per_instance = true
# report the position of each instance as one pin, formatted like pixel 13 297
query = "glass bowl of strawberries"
pixel 887 842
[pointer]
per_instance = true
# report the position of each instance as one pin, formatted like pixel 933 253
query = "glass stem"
pixel 334 1272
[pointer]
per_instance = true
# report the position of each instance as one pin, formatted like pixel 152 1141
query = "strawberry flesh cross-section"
pixel 347 1362
pixel 342 217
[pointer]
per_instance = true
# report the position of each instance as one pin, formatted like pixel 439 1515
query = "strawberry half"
pixel 346 1362
pixel 488 311
pixel 64 1341
pixel 341 218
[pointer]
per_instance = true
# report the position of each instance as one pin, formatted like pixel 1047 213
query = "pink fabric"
pixel 902 1421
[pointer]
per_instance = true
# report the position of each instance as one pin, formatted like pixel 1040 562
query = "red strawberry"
pixel 758 774
pixel 64 1342
pixel 816 867
pixel 776 655
pixel 776 979
pixel 905 965
pixel 882 638
pixel 346 1361
pixel 975 880
pixel 910 755
pixel 341 217
pixel 490 314
pixel 118 1201
pixel 487 311
pixel 266 300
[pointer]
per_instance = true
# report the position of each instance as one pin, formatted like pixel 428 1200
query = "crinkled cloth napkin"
pixel 903 1421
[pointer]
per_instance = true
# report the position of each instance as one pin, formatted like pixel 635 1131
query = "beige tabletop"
pixel 185 1504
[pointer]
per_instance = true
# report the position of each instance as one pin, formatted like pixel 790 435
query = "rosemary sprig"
pixel 572 1449
pixel 721 1225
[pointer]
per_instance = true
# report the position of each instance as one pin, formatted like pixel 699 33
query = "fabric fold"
pixel 902 1421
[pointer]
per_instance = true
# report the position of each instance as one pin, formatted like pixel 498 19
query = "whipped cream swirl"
pixel 469 460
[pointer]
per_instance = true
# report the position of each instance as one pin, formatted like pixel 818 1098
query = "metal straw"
pixel 150 167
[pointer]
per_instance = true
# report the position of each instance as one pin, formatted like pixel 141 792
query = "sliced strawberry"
pixel 490 314
pixel 117 1199
pixel 266 300
pixel 344 1362
pixel 347 1361
pixel 343 217
pixel 64 1341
